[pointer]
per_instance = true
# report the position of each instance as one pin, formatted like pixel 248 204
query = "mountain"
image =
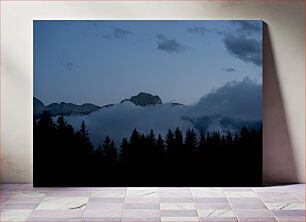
pixel 62 108
pixel 65 109
pixel 38 107
pixel 144 99
pixel 56 109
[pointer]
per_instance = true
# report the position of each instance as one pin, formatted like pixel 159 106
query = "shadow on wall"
pixel 278 160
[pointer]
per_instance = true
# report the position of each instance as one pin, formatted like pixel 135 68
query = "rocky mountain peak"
pixel 144 99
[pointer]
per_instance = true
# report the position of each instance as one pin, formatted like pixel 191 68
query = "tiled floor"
pixel 22 202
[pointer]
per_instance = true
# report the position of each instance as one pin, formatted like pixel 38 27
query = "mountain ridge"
pixel 63 108
pixel 56 109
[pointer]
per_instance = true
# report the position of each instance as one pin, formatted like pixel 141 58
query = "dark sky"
pixel 103 62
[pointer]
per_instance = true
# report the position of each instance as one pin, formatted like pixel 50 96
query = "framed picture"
pixel 147 102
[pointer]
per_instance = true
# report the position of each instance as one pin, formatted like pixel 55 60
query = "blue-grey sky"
pixel 103 62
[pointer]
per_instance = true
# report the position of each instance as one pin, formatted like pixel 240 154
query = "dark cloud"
pixel 241 100
pixel 120 33
pixel 229 107
pixel 230 69
pixel 198 30
pixel 248 50
pixel 69 65
pixel 248 26
pixel 169 45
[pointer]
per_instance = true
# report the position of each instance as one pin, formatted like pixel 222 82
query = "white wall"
pixel 284 79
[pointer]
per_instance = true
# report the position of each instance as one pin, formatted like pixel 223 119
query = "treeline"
pixel 63 157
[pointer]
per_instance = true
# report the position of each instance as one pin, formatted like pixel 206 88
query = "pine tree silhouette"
pixel 63 157
pixel 202 141
pixel 191 140
pixel 84 156
pixel 124 151
pixel 45 137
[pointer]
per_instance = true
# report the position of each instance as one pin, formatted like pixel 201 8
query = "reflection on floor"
pixel 22 202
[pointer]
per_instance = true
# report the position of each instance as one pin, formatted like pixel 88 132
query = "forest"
pixel 65 157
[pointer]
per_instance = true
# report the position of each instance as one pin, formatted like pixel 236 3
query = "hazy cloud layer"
pixel 169 45
pixel 120 120
pixel 198 30
pixel 248 50
pixel 223 109
pixel 248 26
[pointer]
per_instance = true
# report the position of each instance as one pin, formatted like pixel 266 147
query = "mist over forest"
pixel 228 108
pixel 144 159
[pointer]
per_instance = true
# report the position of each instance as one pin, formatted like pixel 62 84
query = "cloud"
pixel 119 121
pixel 227 108
pixel 117 33
pixel 69 65
pixel 120 33
pixel 169 45
pixel 248 26
pixel 230 107
pixel 248 50
pixel 230 69
pixel 241 100
pixel 198 30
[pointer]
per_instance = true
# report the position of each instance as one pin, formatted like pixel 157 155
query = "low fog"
pixel 234 105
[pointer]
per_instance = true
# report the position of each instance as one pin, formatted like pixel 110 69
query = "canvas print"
pixel 147 103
